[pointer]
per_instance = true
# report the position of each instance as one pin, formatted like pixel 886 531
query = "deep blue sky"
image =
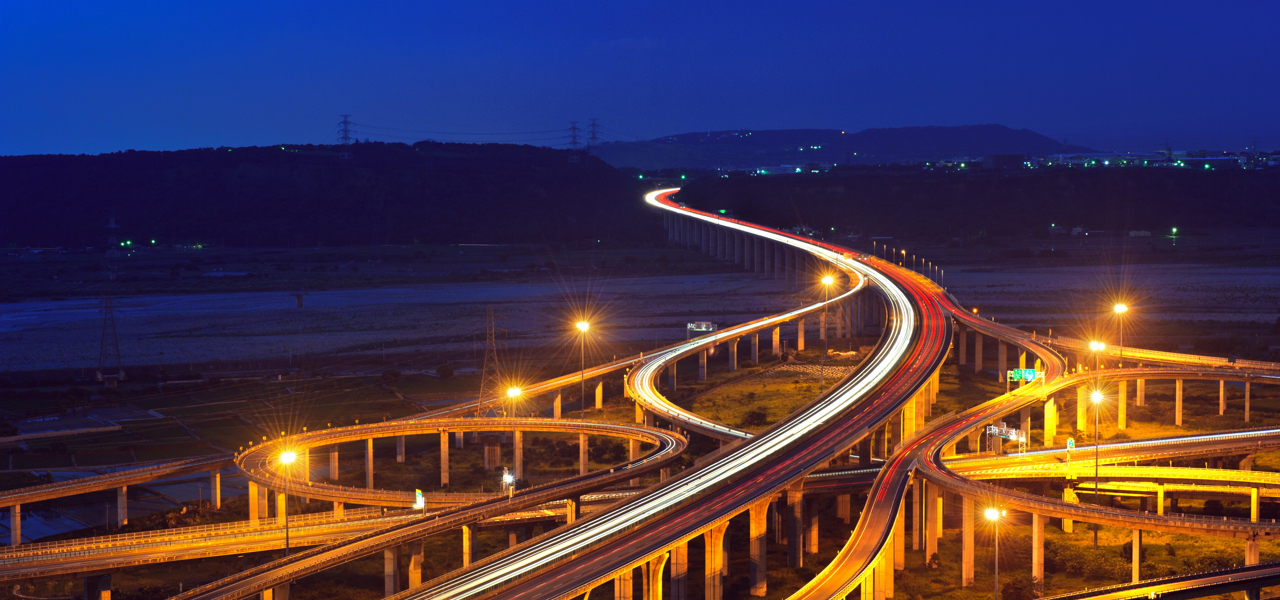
pixel 103 76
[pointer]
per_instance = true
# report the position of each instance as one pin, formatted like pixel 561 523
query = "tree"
pixel 444 371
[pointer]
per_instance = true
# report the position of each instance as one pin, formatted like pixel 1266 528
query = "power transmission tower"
pixel 109 371
pixel 491 392
pixel 344 131
pixel 593 139
pixel 573 135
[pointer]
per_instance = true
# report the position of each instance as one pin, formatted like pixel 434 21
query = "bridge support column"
pixel 468 543
pixel 964 346
pixel 966 543
pixel 844 508
pixel 1025 417
pixel 368 463
pixel 884 587
pixel 415 564
pixel 811 534
pixel 517 453
pixel 932 521
pixel 702 365
pixel 1122 407
pixel 599 395
pixel 755 348
pixel 1141 399
pixel 795 528
pixel 1253 505
pixel 122 506
pixel 1160 499
pixel 1037 549
pixel 977 351
pixel 400 448
pixel 633 454
pixel 1177 401
pixel 1069 496
pixel 1002 360
pixel 777 341
pixel 572 510
pixel 738 257
pixel 733 354
pixel 215 488
pixel 653 577
pixel 800 334
pixel 15 525
pixel 282 507
pixel 1082 420
pixel 1137 555
pixel 97 587
pixel 555 406
pixel 671 376
pixel 333 463
pixel 1050 422
pixel 513 538
pixel 1251 552
pixel 714 564
pixel 680 571
pixel 1247 389
pixel 582 454
pixel 759 516
pixel 864 451
pixel 900 537
pixel 1222 398
pixel 917 514
pixel 391 571
pixel 444 459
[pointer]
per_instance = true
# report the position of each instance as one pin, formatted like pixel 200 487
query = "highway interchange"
pixel 896 384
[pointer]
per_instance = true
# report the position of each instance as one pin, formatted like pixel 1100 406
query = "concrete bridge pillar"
pixel 1122 406
pixel 215 488
pixel 582 454
pixel 1069 496
pixel 122 506
pixel 1222 398
pixel 97 587
pixel 844 508
pixel 767 251
pixel 759 513
pixel 932 520
pixel 733 354
pixel 282 507
pixel 513 538
pixel 702 365
pixel 653 577
pixel 415 564
pixel 1037 549
pixel 444 459
pixel 811 534
pixel 391 571
pixel 333 463
pixel 1022 358
pixel 1160 499
pixel 977 351
pixel 964 345
pixel 1253 505
pixel 368 463
pixel 680 571
pixel 714 563
pixel 400 448
pixel 1002 360
pixel 738 257
pixel 1142 392
pixel 468 543
pixel 884 586
pixel 1025 417
pixel 917 514
pixel 555 406
pixel 1050 422
pixel 864 452
pixel 1251 552
pixel 1247 389
pixel 671 377
pixel 795 528
pixel 800 334
pixel 15 525
pixel 1177 400
pixel 966 543
pixel 757 250
pixel 777 341
pixel 572 509
pixel 755 348
pixel 633 455
pixel 1082 420
pixel 900 537
pixel 600 395
pixel 517 453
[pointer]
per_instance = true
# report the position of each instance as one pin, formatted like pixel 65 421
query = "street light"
pixel 1097 406
pixel 1120 310
pixel 822 363
pixel 994 515
pixel 513 393
pixel 288 457
pixel 583 326
pixel 508 482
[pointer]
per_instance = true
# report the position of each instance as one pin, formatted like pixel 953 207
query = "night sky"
pixel 91 77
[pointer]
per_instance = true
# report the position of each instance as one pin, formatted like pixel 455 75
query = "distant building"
pixel 1139 234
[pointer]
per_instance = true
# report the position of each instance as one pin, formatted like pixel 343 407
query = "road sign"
pixel 702 326
pixel 1071 444
pixel 418 501
pixel 1025 375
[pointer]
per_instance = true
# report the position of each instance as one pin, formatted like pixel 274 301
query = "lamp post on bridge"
pixel 994 515
pixel 287 458
pixel 582 326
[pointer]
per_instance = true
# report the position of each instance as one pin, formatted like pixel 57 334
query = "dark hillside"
pixel 749 149
pixel 291 196
pixel 940 205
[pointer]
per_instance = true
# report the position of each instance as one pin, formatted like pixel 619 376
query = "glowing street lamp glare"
pixel 993 514
pixel 513 392
pixel 1120 308
pixel 288 457
pixel 583 326
pixel 1097 346
pixel 828 280
pixel 1097 397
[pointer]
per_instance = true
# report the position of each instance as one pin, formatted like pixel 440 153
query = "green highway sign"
pixel 1025 375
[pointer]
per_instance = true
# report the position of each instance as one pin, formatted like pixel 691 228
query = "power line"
pixel 573 135
pixel 458 132
pixel 345 124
